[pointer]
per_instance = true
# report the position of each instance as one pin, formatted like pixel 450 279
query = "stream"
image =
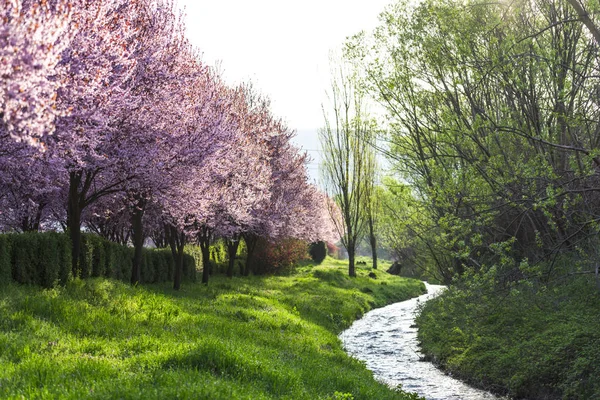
pixel 386 340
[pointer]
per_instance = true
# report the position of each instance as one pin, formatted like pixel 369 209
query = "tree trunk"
pixel 33 224
pixel 204 241
pixel 205 250
pixel 74 210
pixel 251 240
pixel 176 242
pixel 585 18
pixel 373 241
pixel 351 250
pixel 178 268
pixel 232 246
pixel 137 215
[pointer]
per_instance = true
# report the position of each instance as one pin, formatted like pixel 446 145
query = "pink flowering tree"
pixel 117 61
pixel 30 187
pixel 33 36
pixel 199 138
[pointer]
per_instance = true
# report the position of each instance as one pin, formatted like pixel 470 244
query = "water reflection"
pixel 386 340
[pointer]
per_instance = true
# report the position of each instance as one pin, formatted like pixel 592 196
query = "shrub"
pixel 110 270
pixel 333 250
pixel 64 251
pixel 5 268
pixel 22 257
pixel 86 252
pixel 98 256
pixel 147 268
pixel 317 251
pixel 45 259
pixel 36 258
pixel 164 265
pixel 274 256
pixel 189 268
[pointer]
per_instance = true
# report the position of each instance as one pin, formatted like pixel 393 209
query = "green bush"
pixel 147 268
pixel 86 253
pixel 64 252
pixel 98 256
pixel 163 264
pixel 317 251
pixel 22 257
pixel 45 259
pixel 36 258
pixel 189 268
pixel 110 260
pixel 5 267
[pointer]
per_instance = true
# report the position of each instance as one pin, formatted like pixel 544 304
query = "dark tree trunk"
pixel 586 19
pixel 159 237
pixel 33 224
pixel 204 237
pixel 176 240
pixel 206 266
pixel 74 218
pixel 351 268
pixel 373 241
pixel 80 183
pixel 251 240
pixel 232 247
pixel 137 215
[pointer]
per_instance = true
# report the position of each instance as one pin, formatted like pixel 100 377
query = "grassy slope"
pixel 241 338
pixel 529 343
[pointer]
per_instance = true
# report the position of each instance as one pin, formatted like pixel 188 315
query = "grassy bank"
pixel 241 338
pixel 528 341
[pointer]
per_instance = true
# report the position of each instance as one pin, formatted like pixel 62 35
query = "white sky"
pixel 283 47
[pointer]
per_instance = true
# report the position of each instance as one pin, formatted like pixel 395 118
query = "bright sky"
pixel 283 47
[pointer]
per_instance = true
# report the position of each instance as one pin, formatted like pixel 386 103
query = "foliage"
pixel 493 125
pixel 333 250
pixel 45 259
pixel 251 338
pixel 317 251
pixel 278 255
pixel 39 259
pixel 5 264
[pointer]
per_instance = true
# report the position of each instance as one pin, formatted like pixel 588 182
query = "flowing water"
pixel 386 340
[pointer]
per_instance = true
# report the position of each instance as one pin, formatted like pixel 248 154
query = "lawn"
pixel 242 338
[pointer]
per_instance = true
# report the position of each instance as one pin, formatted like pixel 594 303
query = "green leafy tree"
pixel 345 169
pixel 493 112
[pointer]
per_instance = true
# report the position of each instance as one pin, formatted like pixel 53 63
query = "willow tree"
pixel 346 168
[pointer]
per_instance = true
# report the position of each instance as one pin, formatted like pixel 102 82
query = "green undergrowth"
pixel 527 341
pixel 240 338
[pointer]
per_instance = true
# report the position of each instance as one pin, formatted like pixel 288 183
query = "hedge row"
pixel 45 259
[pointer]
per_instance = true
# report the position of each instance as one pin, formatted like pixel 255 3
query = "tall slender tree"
pixel 346 155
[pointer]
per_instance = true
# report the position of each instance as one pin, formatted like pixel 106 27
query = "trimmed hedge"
pixel 45 259
pixel 35 258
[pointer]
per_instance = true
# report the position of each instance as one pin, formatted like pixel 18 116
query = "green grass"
pixel 528 342
pixel 240 338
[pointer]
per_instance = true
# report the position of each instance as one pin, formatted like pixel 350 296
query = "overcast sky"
pixel 283 47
